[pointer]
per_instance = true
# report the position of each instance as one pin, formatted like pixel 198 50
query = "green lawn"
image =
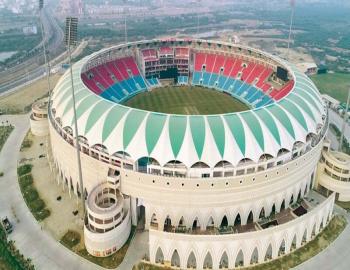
pixel 186 100
pixel 334 85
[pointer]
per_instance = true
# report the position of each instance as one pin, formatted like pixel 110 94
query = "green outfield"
pixel 333 84
pixel 186 100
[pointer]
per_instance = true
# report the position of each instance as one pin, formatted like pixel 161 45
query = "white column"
pixel 133 207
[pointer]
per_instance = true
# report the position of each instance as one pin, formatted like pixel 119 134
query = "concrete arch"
pixel 225 248
pixel 175 246
pixel 209 249
pixel 190 249
pixel 269 241
pixel 240 247
pixel 283 237
pixel 158 244
pixel 264 207
pixel 225 212
pixel 256 245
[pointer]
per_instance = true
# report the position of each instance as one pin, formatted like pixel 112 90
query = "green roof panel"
pixel 254 126
pixel 218 130
pixel 235 124
pixel 197 125
pixel 283 118
pixel 112 120
pixel 96 113
pixel 267 119
pixel 132 124
pixel 154 127
pixel 177 130
pixel 294 111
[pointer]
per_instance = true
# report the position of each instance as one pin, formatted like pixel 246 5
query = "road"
pixel 338 121
pixel 32 242
pixel 52 29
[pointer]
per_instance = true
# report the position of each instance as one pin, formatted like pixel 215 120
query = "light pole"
pixel 344 122
pixel 41 5
pixel 198 18
pixel 292 4
pixel 71 40
pixel 124 9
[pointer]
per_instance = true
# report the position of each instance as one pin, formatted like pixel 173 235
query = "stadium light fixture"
pixel 292 4
pixel 71 41
pixel 47 64
pixel 126 36
pixel 344 121
pixel 198 18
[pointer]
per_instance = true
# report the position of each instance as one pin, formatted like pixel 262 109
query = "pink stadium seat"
pixel 99 78
pixel 210 61
pixel 199 61
pixel 119 63
pixel 266 73
pixel 285 90
pixel 230 61
pixel 90 83
pixel 247 71
pixel 103 71
pixel 131 64
pixel 236 68
pixel 219 62
pixel 257 71
pixel 113 69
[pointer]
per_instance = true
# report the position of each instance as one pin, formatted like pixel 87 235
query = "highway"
pixel 54 34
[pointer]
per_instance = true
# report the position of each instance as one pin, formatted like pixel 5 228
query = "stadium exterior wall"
pixel 308 225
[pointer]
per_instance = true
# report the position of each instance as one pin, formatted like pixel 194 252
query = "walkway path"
pixel 32 242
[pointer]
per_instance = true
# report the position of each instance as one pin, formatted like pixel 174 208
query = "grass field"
pixel 20 101
pixel 186 100
pixel 334 85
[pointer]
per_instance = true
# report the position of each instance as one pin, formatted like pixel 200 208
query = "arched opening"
pixel 273 209
pixel 255 256
pixel 291 199
pixel 159 256
pixel 182 222
pixel 262 212
pixel 305 191
pixel 167 225
pixel 154 222
pixel 304 236
pixel 208 261
pixel 86 194
pixel 294 242
pixel 224 222
pixel 168 168
pixel 283 205
pixel 175 259
pixel 71 184
pixel 200 165
pixel 250 217
pixel 299 195
pixel 282 248
pixel 78 190
pixel 239 259
pixel 238 221
pixel 314 230
pixel 191 261
pixel 196 225
pixel 224 261
pixel 282 152
pixel 210 224
pixel 268 254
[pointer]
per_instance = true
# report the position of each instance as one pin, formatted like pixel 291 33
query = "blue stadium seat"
pixel 126 86
pixel 256 96
pixel 238 84
pixel 242 89
pixel 196 77
pixel 206 77
pixel 140 81
pixel 222 81
pixel 228 84
pixel 265 101
pixel 251 92
pixel 213 79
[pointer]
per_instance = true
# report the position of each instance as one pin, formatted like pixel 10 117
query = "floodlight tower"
pixel 71 40
pixel 292 4
pixel 344 122
pixel 124 9
pixel 198 1
pixel 47 64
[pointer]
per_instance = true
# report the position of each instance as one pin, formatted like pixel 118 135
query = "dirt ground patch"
pixel 20 101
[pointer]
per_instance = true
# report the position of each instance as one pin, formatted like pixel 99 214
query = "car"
pixel 7 225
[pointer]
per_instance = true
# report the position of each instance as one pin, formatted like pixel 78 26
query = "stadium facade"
pixel 211 190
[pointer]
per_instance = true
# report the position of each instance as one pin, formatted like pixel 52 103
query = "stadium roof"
pixel 191 138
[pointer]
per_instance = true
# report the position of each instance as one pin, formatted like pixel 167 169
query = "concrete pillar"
pixel 133 207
